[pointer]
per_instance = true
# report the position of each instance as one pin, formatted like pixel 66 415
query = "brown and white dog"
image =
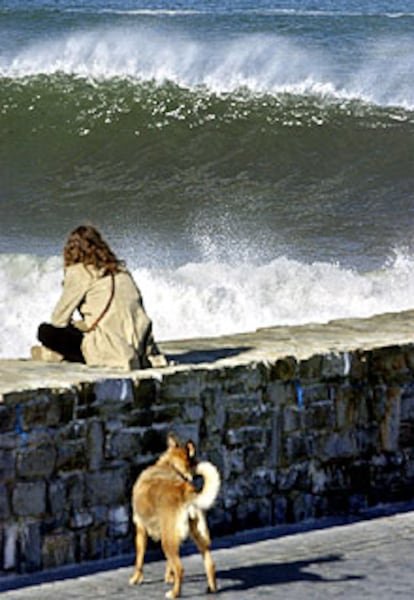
pixel 166 506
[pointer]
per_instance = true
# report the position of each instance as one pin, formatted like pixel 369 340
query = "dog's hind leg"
pixel 174 569
pixel 201 536
pixel 169 574
pixel 140 546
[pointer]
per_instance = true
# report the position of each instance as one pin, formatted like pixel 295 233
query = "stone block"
pixel 235 419
pixel 339 445
pixel 187 431
pixel 389 365
pixel 30 547
pixel 71 455
pixel 125 443
pixel 95 445
pixel 86 406
pixel 245 436
pixel 275 444
pixel 96 539
pixel 256 457
pixel 406 434
pixel 7 465
pixel 296 447
pixel 119 521
pixel 262 482
pixel 280 508
pixel 193 411
pixel 116 391
pixel 311 369
pixel 48 409
pixel 11 536
pixel 29 498
pixel 4 503
pixel 292 419
pixel 56 497
pixel 100 514
pixel 344 406
pixel 251 401
pixel 407 403
pixel 106 487
pixel 165 413
pixel 218 418
pixel 81 519
pixel 234 463
pixel 10 441
pixel 67 402
pixel 320 415
pixel 368 440
pixel 181 386
pixel 74 489
pixel 390 424
pixel 303 507
pixel 146 392
pixel 58 550
pixel 8 417
pixel 316 392
pixel 241 379
pixel 284 369
pixel 318 477
pixel 335 366
pixel 36 462
pixel 154 439
pixel 280 393
pixel 254 513
pixel 359 366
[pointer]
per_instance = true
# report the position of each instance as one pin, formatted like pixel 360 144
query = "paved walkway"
pixel 369 559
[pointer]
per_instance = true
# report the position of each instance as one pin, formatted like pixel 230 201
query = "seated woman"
pixel 114 329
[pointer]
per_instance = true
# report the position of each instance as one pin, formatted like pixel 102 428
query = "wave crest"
pixel 260 63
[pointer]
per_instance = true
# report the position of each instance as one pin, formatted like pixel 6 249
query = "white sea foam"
pixel 261 63
pixel 209 299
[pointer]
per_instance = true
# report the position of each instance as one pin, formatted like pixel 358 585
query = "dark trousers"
pixel 65 340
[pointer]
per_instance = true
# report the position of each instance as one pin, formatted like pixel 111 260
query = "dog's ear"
pixel 172 441
pixel 191 449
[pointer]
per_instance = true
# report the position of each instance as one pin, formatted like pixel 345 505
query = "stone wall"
pixel 294 440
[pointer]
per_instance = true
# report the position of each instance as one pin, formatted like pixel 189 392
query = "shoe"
pixel 46 355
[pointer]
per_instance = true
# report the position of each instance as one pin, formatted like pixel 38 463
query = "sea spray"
pixel 212 299
pixel 262 63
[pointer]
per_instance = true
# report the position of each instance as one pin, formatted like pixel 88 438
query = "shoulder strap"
pixel 108 304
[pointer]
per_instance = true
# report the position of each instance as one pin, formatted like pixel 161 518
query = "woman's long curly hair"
pixel 86 245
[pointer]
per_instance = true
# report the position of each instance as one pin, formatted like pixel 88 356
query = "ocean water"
pixel 253 162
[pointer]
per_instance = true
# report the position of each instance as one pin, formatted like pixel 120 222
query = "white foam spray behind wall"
pixel 211 298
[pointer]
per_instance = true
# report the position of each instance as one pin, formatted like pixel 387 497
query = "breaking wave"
pixel 210 299
pixel 259 63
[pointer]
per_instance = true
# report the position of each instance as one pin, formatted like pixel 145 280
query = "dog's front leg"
pixel 140 546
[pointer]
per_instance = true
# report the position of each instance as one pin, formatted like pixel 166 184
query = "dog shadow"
pixel 272 574
pixel 206 356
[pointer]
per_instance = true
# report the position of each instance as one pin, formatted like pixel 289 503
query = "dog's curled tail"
pixel 207 496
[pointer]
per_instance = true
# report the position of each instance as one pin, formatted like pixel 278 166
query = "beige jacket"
pixel 123 337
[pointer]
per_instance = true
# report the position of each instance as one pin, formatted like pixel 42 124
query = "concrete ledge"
pixel 264 345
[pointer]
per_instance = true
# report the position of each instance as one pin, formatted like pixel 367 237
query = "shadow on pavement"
pixel 202 356
pixel 253 576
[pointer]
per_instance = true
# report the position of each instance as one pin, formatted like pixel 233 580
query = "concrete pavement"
pixel 361 560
